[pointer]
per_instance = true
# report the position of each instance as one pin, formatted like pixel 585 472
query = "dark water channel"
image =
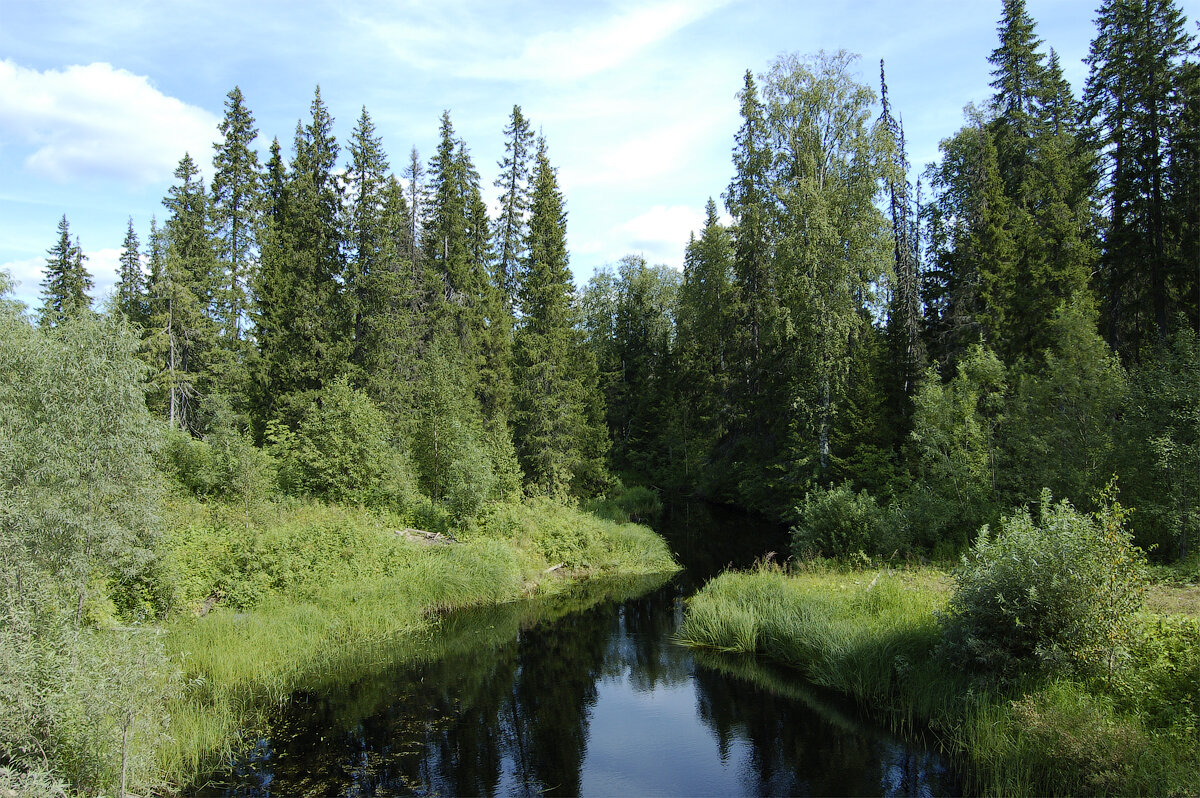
pixel 585 694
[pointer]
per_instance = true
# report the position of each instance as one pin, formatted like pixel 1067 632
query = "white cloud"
pixel 568 55
pixel 661 233
pixel 26 275
pixel 478 40
pixel 97 121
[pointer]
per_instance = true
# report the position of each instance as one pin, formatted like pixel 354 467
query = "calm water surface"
pixel 585 694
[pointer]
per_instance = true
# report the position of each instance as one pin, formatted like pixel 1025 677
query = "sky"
pixel 99 100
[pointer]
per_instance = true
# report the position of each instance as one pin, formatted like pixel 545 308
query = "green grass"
pixel 305 592
pixel 875 637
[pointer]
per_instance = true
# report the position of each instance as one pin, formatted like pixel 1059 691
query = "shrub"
pixel 1060 591
pixel 837 523
pixel 341 452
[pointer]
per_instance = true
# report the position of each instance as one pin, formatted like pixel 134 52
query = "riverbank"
pixel 261 601
pixel 876 636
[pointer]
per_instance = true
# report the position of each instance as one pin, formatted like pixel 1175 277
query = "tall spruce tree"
pixel 366 181
pixel 705 343
pixel 304 329
pixel 513 182
pixel 905 349
pixel 749 201
pixel 131 282
pixel 558 443
pixel 236 207
pixel 1132 98
pixel 67 281
pixel 184 327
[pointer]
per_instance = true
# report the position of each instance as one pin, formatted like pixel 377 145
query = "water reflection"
pixel 585 694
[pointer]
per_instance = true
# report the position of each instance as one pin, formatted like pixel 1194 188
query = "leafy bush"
pixel 341 452
pixel 837 523
pixel 1061 591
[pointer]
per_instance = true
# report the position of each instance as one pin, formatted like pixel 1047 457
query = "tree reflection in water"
pixel 581 694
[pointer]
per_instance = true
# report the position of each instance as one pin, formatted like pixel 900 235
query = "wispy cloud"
pixel 477 41
pixel 96 121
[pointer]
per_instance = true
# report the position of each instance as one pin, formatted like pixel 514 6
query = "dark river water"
pixel 584 694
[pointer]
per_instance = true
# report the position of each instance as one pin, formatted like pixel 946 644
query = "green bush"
pixel 1057 592
pixel 341 452
pixel 837 523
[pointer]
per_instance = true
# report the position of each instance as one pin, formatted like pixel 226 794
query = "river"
pixel 584 694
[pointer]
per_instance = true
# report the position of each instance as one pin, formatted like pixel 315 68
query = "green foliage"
pixel 342 452
pixel 1060 422
pixel 462 463
pixel 224 464
pixel 1160 447
pixel 1059 592
pixel 836 523
pixel 955 446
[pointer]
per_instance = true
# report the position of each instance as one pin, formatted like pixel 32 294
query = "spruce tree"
pixel 513 182
pixel 67 281
pixel 748 200
pixel 304 328
pixel 705 346
pixel 905 349
pixel 366 181
pixel 131 283
pixel 1133 102
pixel 236 207
pixel 557 441
pixel 184 329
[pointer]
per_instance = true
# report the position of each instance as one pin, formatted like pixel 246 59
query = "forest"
pixel 886 358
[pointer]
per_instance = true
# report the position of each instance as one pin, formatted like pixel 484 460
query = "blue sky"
pixel 100 100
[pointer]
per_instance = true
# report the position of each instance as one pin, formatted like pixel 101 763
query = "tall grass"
pixel 311 592
pixel 876 639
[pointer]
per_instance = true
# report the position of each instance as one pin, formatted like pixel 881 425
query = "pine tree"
pixel 1131 97
pixel 131 283
pixel 67 282
pixel 236 207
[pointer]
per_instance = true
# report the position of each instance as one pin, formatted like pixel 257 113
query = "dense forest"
pixel 1020 315
pixel 922 350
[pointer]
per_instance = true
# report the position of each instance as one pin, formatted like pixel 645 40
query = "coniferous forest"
pixel 887 357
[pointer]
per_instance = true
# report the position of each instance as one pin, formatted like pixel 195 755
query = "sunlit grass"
pixel 875 637
pixel 313 590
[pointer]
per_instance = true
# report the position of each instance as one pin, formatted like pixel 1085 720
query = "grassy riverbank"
pixel 877 637
pixel 314 586
pixel 262 602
